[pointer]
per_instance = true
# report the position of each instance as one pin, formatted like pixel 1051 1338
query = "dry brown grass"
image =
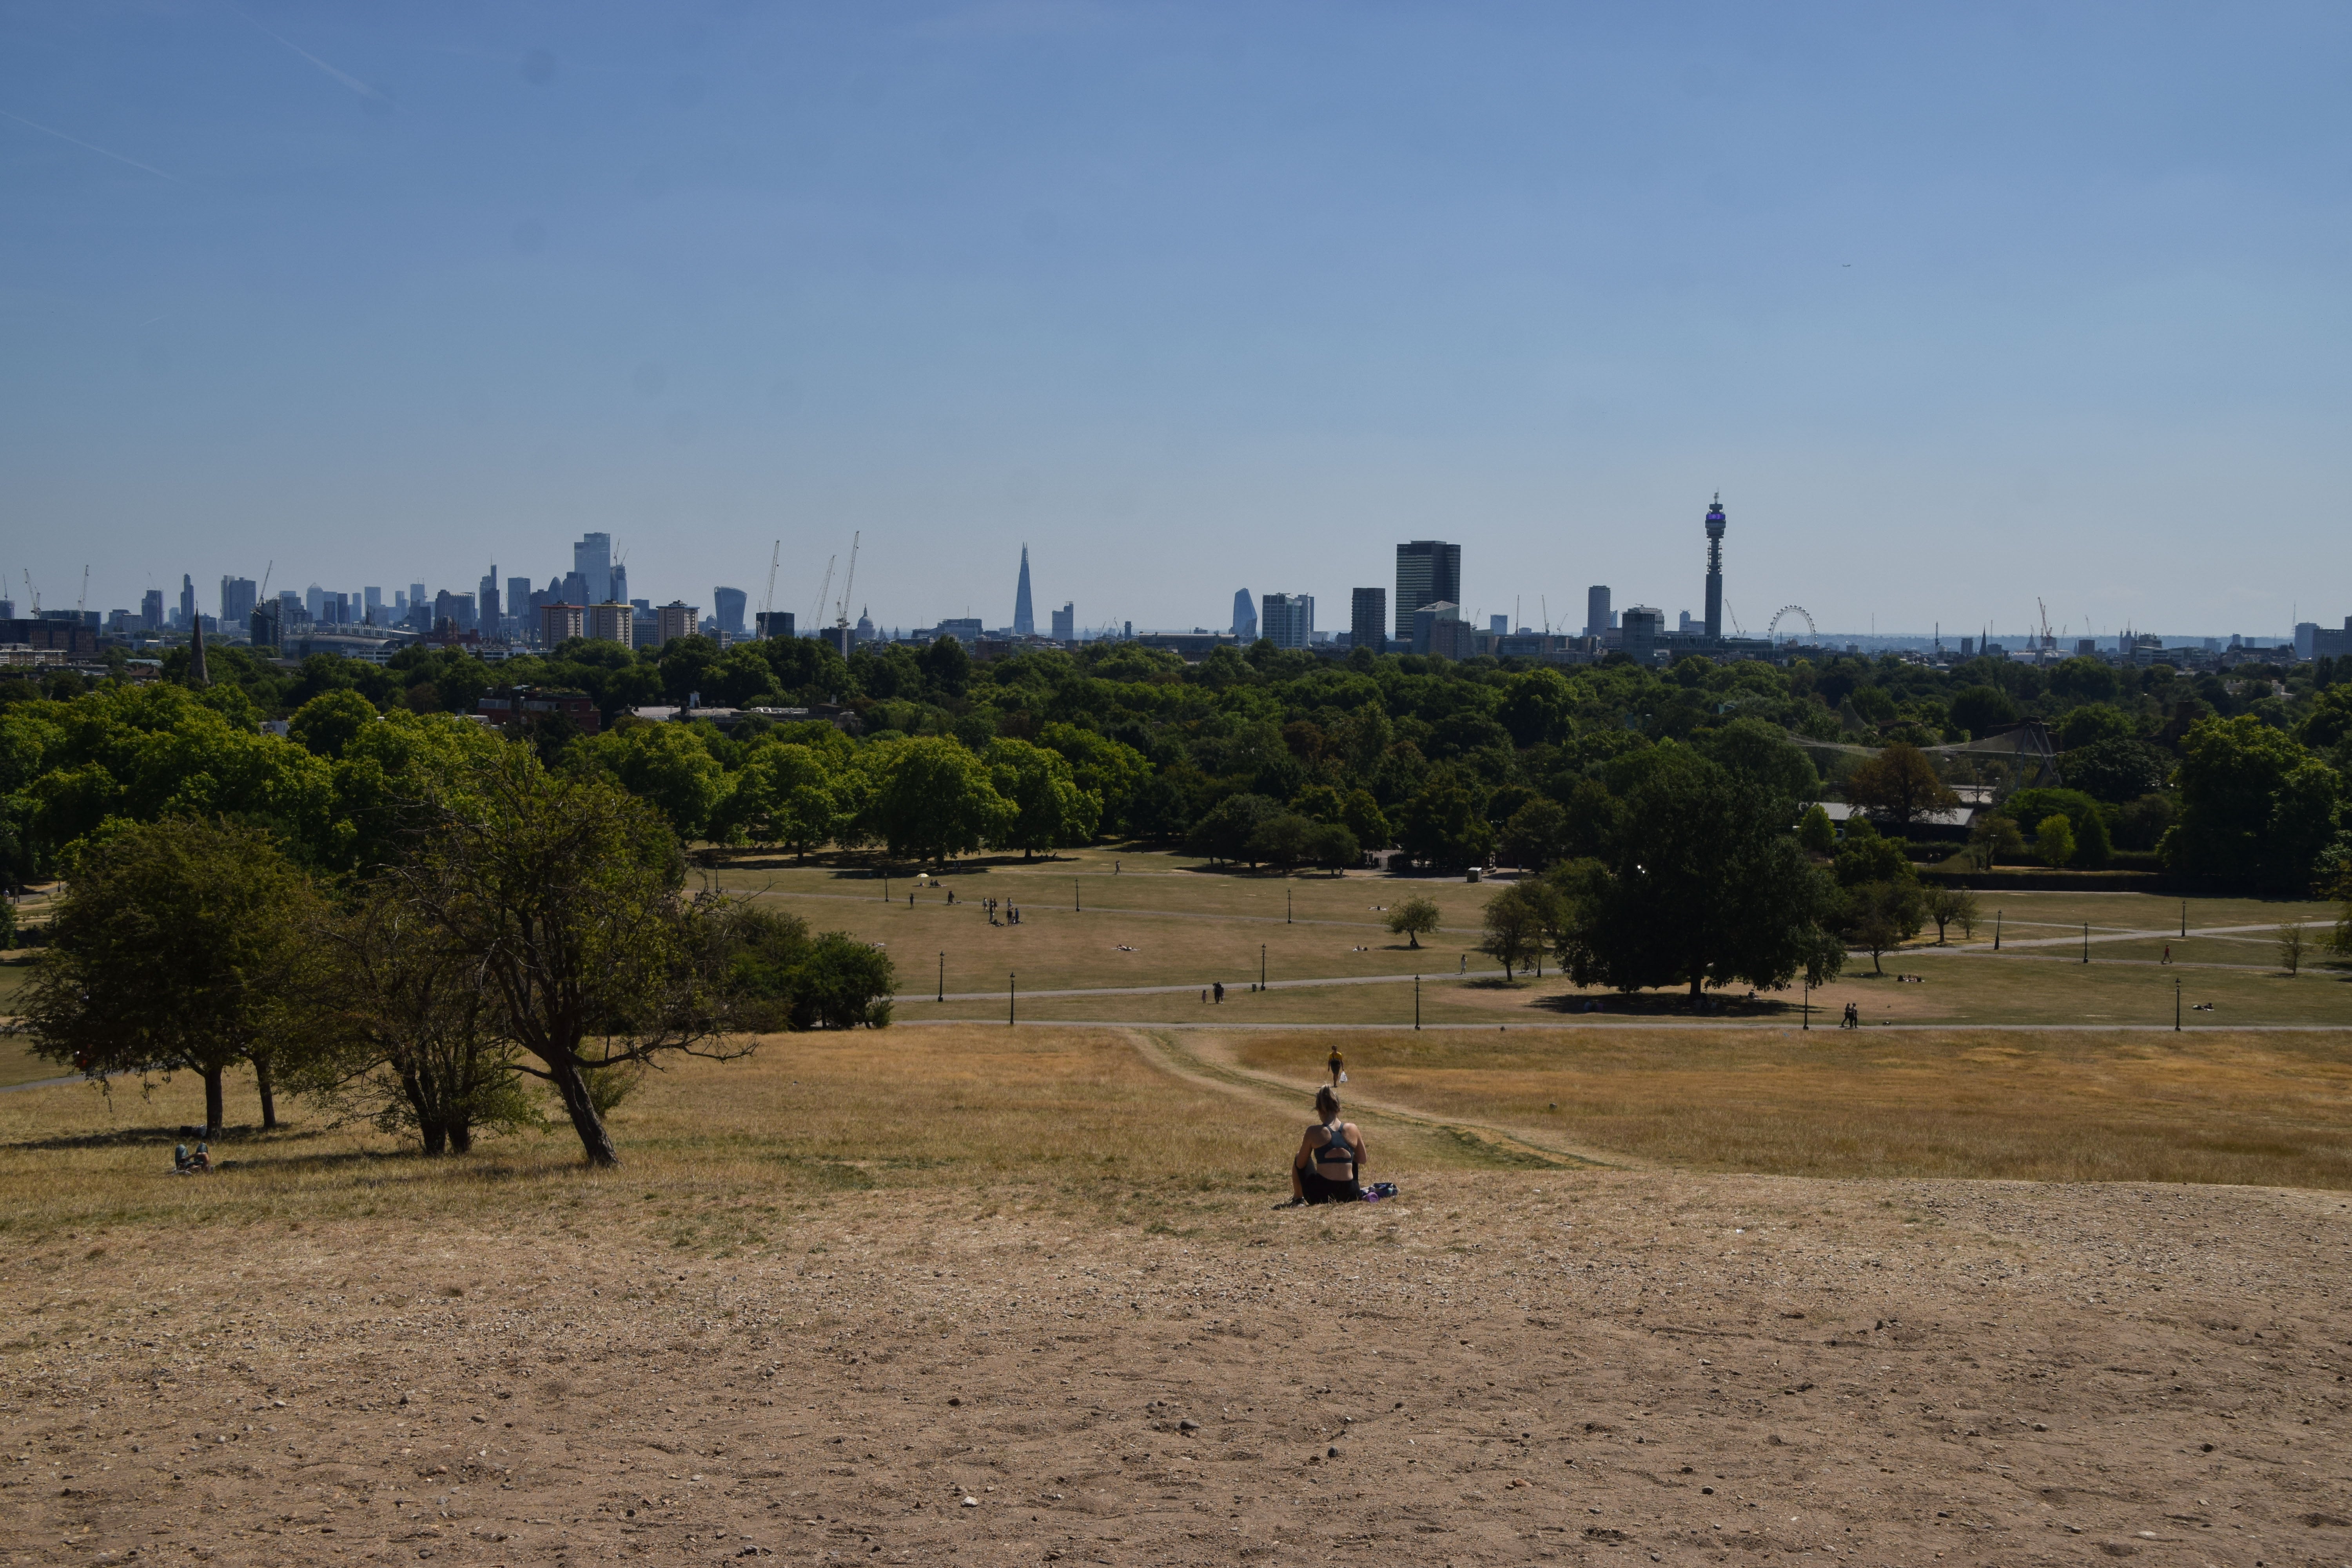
pixel 2268 1109
pixel 717 1158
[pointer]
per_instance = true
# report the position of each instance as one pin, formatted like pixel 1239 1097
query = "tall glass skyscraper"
pixel 1025 619
pixel 593 559
pixel 1428 572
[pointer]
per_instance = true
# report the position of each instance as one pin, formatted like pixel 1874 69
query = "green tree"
pixel 324 725
pixel 669 766
pixel 565 892
pixel 173 949
pixel 779 976
pixel 1114 773
pixel 1982 709
pixel 2094 847
pixel 2116 769
pixel 929 798
pixel 2255 807
pixel 386 778
pixel 1413 916
pixel 1759 751
pixel 1946 904
pixel 1513 927
pixel 1330 846
pixel 1901 783
pixel 1993 838
pixel 1536 835
pixel 1816 832
pixel 1225 831
pixel 1445 824
pixel 1700 883
pixel 1284 839
pixel 1050 809
pixel 791 795
pixel 1537 707
pixel 401 1030
pixel 1881 916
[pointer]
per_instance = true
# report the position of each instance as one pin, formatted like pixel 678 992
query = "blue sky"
pixel 1956 305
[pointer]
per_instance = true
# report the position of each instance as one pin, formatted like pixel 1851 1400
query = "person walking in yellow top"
pixel 1339 1066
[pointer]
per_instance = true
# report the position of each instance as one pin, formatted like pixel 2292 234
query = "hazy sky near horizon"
pixel 1956 305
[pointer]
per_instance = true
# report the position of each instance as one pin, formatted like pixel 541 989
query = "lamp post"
pixel 886 887
pixel 1261 966
pixel 943 976
pixel 2176 1004
pixel 1077 903
pixel 1286 906
pixel 2184 917
pixel 2086 941
pixel 1416 1003
pixel 1808 1004
pixel 1011 993
pixel 1996 931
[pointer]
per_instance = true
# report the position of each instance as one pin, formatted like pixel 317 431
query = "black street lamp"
pixel 1012 994
pixel 943 976
pixel 1416 1003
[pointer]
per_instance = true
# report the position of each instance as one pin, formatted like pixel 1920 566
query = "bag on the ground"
pixel 1379 1190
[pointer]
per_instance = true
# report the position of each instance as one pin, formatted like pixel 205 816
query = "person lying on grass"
pixel 1329 1166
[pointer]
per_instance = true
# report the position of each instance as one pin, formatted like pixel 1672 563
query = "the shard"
pixel 1024 620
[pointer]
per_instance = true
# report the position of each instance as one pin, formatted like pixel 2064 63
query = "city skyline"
pixel 1098 279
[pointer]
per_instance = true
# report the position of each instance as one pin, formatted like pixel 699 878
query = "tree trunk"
pixel 436 1139
pixel 594 1142
pixel 1696 981
pixel 269 1094
pixel 461 1137
pixel 213 1108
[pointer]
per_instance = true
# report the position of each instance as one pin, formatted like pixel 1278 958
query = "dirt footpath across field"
pixel 1607 1368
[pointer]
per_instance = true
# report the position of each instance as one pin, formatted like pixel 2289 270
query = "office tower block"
pixel 1244 616
pixel 574 589
pixel 1428 572
pixel 517 605
pixel 612 621
pixel 1597 620
pixel 726 604
pixel 187 601
pixel 1642 627
pixel 151 610
pixel 1499 624
pixel 1368 618
pixel 1065 623
pixel 1439 628
pixel 458 609
pixel 314 599
pixel 621 584
pixel 1715 526
pixel 592 557
pixel 774 623
pixel 236 600
pixel 1025 619
pixel 1288 619
pixel 488 601
pixel 416 595
pixel 674 620
pixel 560 623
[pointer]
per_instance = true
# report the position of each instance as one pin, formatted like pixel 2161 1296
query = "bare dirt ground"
pixel 1577 1366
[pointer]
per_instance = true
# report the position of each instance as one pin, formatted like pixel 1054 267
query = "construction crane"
pixel 768 605
pixel 265 570
pixel 848 585
pixel 2043 610
pixel 817 609
pixel 81 605
pixel 33 593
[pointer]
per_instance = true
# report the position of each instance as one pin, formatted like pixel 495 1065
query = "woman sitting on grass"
pixel 1329 1166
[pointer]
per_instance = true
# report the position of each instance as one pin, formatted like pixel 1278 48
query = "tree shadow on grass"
pixel 1671 1004
pixel 130 1137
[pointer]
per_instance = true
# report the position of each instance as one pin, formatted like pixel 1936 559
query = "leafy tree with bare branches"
pixel 567 894
pixel 401 1030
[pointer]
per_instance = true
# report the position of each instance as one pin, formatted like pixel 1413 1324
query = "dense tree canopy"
pixel 1438 758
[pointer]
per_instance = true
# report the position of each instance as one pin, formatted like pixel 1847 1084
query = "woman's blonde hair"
pixel 1327 1104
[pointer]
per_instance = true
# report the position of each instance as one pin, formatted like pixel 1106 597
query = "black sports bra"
pixel 1336 1147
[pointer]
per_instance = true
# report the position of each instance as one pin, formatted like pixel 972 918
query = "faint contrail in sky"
pixel 349 80
pixel 91 146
